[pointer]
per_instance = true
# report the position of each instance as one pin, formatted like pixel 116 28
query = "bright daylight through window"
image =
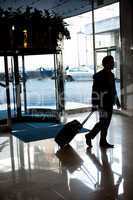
pixel 78 63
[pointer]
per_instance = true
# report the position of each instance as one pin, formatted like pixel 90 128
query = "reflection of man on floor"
pixel 109 190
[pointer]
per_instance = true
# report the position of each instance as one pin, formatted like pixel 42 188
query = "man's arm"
pixel 117 102
pixel 95 94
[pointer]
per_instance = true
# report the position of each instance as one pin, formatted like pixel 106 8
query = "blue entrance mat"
pixel 28 132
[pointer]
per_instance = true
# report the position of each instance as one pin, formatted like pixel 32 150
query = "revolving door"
pixel 27 91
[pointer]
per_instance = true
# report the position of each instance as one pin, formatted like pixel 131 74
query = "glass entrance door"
pixel 31 85
pixel 6 89
pixel 102 52
pixel 3 98
pixel 41 88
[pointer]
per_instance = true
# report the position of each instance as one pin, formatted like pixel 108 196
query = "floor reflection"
pixel 107 183
pixel 102 185
pixel 41 170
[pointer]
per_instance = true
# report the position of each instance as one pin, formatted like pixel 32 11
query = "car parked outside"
pixel 78 74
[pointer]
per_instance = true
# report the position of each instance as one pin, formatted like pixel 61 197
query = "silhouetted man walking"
pixel 104 96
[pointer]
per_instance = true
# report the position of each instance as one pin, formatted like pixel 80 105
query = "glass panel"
pixel 107 37
pixel 78 62
pixel 116 70
pixel 39 82
pixel 59 83
pixel 3 102
pixel 12 85
pixel 78 52
pixel 99 56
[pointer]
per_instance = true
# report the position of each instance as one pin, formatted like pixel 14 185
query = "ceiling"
pixel 64 8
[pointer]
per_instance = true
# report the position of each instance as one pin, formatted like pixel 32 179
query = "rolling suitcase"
pixel 69 130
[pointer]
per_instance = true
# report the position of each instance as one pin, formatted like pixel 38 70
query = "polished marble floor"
pixel 41 171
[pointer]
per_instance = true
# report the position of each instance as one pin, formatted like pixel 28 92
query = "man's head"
pixel 108 63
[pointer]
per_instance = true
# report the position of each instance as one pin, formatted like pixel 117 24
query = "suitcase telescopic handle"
pixel 85 120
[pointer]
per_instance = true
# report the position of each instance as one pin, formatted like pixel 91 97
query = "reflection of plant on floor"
pixel 31 28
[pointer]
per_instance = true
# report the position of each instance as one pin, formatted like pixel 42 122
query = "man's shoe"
pixel 88 141
pixel 106 145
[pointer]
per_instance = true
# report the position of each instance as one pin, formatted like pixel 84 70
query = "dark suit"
pixel 104 93
pixel 104 96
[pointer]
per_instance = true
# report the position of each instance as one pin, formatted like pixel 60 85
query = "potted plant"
pixel 31 29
